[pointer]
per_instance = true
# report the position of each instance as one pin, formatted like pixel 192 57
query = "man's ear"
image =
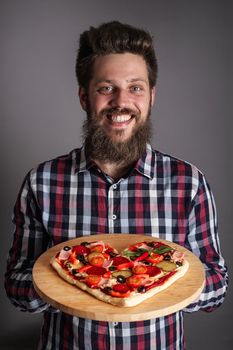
pixel 153 95
pixel 83 98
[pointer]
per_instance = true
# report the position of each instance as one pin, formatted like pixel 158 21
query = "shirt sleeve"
pixel 30 240
pixel 203 240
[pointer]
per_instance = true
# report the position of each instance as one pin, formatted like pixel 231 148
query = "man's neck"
pixel 114 170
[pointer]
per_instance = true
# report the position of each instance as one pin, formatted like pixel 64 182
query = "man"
pixel 115 183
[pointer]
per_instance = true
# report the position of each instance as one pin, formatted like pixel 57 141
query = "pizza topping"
pixel 98 246
pixel 167 266
pixel 139 268
pixel 141 289
pixel 135 281
pixel 153 271
pixel 122 288
pixel 81 249
pixel 160 281
pixel 92 280
pixel 121 279
pixel 154 258
pixel 177 256
pixel 125 273
pixel 142 257
pixel 67 248
pixel 96 259
pixel 118 260
pixel 64 254
pixel 96 270
pixel 84 268
pixel 124 266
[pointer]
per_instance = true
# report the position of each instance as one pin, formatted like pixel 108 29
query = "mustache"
pixel 119 111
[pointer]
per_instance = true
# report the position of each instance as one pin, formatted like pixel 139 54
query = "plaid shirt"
pixel 70 197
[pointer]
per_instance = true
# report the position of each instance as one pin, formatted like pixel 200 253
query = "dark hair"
pixel 110 38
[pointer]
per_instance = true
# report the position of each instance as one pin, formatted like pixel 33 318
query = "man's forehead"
pixel 127 66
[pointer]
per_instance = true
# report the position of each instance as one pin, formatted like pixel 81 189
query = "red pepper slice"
pixel 84 268
pixel 160 281
pixel 154 258
pixel 124 266
pixel 107 274
pixel 141 257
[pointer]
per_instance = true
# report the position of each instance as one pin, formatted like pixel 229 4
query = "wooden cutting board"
pixel 76 302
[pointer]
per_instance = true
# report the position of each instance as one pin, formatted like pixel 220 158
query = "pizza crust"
pixel 132 300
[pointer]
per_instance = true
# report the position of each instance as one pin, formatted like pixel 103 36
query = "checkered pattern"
pixel 70 197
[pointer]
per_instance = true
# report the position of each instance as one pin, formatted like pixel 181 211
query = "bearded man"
pixel 115 183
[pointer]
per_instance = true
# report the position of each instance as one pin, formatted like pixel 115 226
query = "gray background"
pixel 41 117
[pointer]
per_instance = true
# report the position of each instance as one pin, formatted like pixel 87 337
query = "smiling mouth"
pixel 122 118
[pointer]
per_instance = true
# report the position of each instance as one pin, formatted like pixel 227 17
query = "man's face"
pixel 119 96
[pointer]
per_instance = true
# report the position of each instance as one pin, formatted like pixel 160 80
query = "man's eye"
pixel 105 90
pixel 136 89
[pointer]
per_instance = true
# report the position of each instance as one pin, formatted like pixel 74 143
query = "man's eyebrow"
pixel 134 80
pixel 111 81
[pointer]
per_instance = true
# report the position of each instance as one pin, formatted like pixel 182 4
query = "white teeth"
pixel 120 118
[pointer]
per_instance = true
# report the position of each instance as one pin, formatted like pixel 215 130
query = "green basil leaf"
pixel 162 250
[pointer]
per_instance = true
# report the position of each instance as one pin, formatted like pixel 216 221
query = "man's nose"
pixel 120 98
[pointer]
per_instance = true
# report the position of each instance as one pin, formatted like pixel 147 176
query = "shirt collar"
pixel 145 165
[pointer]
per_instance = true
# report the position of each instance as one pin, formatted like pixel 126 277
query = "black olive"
pixel 121 279
pixel 142 289
pixel 84 243
pixel 80 257
pixel 167 257
pixel 66 248
pixel 74 271
pixel 112 254
pixel 107 290
pixel 150 244
pixel 112 268
pixel 179 263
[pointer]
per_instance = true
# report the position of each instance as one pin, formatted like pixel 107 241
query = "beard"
pixel 101 147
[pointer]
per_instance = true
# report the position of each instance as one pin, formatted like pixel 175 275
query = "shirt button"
pixel 114 217
pixel 114 186
pixel 115 324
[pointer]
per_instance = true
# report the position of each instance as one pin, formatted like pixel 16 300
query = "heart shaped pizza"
pixel 122 279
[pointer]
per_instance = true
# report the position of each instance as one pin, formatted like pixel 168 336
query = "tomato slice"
pixel 96 270
pixel 97 261
pixel 97 248
pixel 135 281
pixel 92 280
pixel 139 269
